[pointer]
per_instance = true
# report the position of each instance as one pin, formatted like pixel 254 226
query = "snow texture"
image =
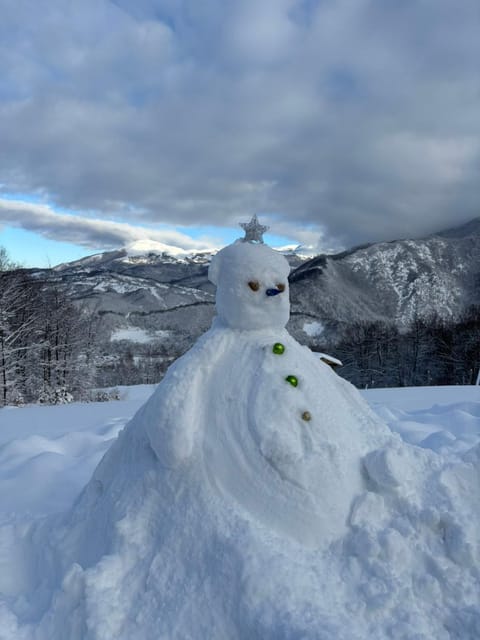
pixel 220 512
pixel 313 329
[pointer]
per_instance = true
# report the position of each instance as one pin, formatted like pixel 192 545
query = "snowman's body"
pixel 287 455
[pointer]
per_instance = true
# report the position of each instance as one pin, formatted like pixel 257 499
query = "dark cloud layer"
pixel 344 121
pixel 93 232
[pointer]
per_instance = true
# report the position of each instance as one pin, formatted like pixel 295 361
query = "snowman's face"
pixel 252 286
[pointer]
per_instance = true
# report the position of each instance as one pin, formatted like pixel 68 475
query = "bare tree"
pixel 18 295
pixel 48 345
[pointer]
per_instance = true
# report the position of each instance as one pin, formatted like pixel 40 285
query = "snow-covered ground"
pixel 135 334
pixel 47 454
pixel 444 419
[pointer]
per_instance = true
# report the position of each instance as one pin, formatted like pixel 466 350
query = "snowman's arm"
pixel 171 417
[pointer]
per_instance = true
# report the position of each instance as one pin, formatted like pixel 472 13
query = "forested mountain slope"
pixel 398 281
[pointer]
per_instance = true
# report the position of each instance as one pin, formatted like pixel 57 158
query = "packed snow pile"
pixel 255 495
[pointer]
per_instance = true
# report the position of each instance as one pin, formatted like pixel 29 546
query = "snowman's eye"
pixel 254 285
pixel 280 287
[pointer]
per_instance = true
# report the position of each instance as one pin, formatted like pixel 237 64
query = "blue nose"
pixel 272 292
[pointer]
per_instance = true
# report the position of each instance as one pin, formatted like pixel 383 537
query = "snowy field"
pixel 48 454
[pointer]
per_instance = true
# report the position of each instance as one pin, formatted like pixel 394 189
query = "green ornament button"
pixel 293 380
pixel 278 348
pixel 307 416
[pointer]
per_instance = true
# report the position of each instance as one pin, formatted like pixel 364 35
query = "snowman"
pixel 276 432
pixel 255 495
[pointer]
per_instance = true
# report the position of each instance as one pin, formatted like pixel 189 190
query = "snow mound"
pixel 255 495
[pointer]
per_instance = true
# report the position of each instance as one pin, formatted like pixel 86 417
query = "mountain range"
pixel 395 281
pixel 152 296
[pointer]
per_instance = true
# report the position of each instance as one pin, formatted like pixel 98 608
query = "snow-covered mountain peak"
pixel 149 248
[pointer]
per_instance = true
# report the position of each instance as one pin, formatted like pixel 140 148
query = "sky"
pixel 337 122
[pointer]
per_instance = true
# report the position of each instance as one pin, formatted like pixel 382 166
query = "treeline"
pixel 124 363
pixel 428 352
pixel 48 345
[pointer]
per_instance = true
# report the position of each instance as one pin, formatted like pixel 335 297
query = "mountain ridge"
pixel 395 281
pixel 169 300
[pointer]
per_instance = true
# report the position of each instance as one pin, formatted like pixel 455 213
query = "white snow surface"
pixel 135 334
pixel 146 246
pixel 313 329
pixel 224 511
pixel 356 591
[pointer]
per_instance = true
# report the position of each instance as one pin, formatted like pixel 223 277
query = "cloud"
pixel 93 232
pixel 341 121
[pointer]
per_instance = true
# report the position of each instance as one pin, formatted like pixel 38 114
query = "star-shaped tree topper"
pixel 253 230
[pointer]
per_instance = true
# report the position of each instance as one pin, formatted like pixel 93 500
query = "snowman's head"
pixel 252 286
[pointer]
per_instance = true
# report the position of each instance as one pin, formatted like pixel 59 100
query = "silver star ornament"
pixel 253 230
